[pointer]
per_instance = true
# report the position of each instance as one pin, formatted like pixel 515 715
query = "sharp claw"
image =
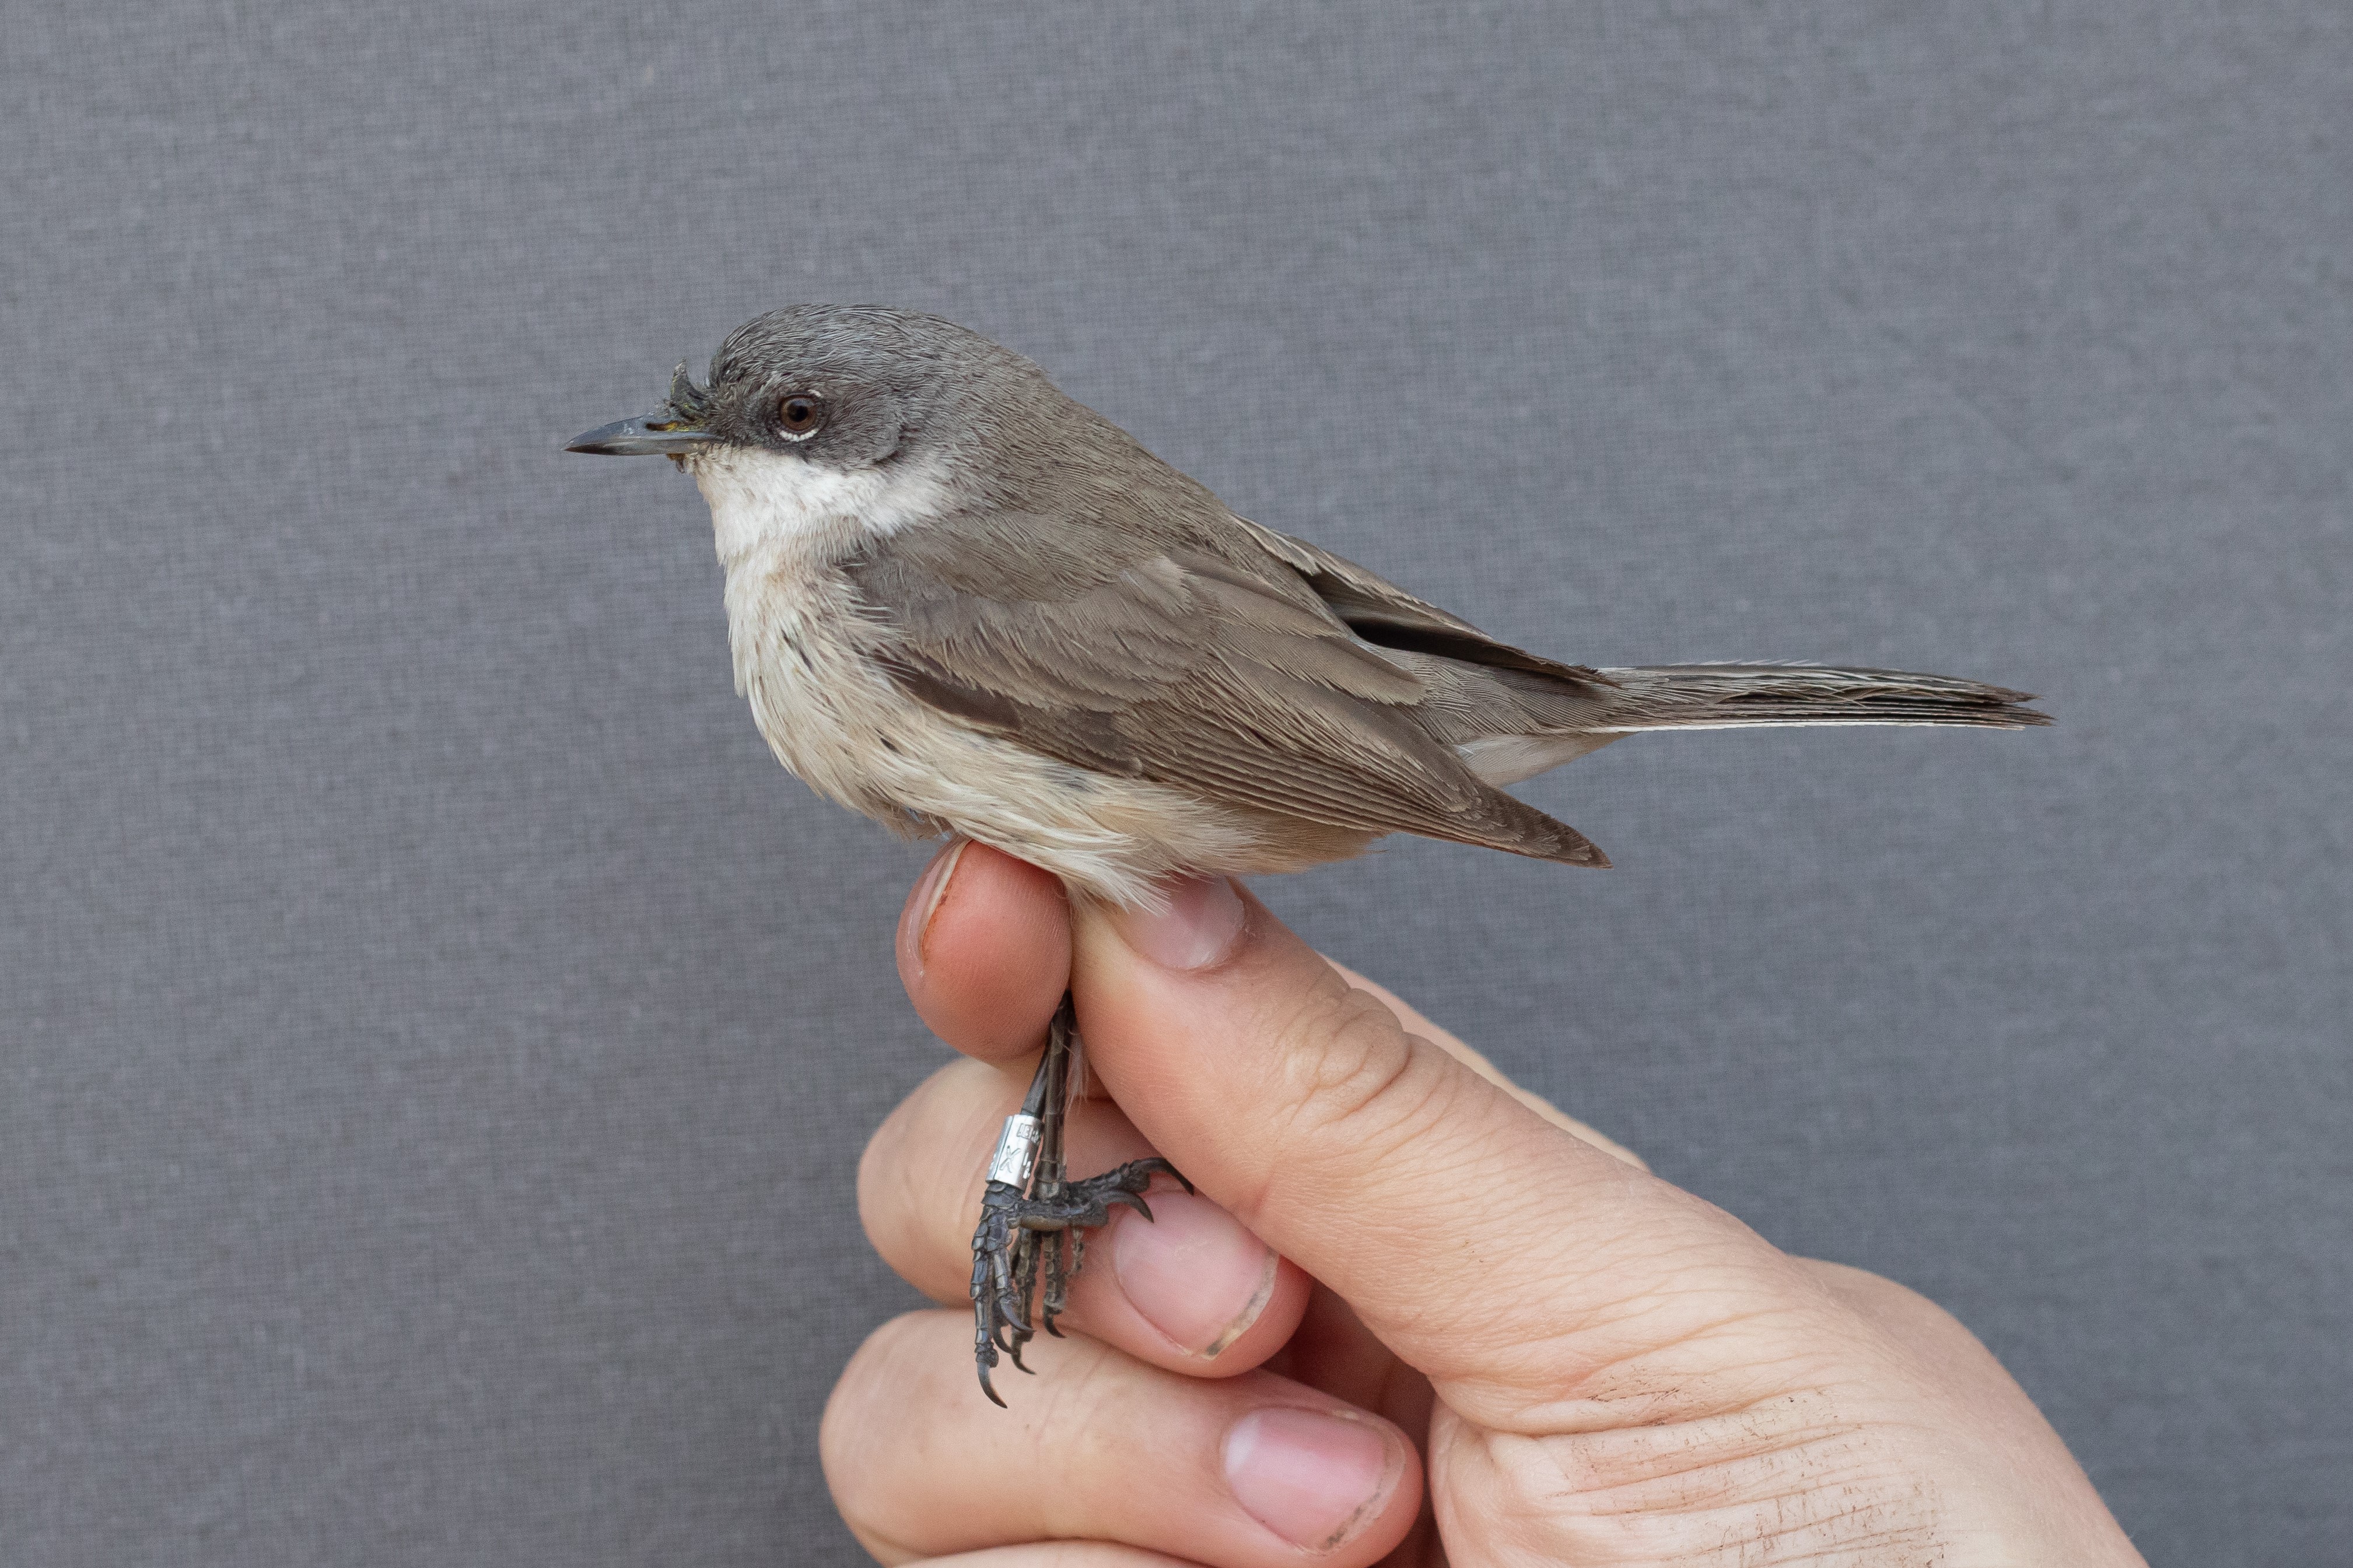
pixel 1012 1258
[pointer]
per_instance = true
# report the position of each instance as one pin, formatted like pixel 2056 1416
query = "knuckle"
pixel 920 1177
pixel 889 1200
pixel 1353 1077
pixel 859 1438
pixel 878 1168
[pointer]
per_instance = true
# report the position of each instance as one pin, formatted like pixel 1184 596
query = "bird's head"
pixel 856 420
pixel 840 388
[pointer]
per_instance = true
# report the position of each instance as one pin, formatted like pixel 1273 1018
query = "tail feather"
pixel 1507 726
pixel 1728 696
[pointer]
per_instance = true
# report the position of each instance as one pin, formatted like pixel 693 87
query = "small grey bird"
pixel 960 601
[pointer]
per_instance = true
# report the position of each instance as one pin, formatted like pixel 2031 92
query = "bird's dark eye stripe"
pixel 800 413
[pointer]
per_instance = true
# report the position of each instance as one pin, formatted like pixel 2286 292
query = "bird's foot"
pixel 1021 1237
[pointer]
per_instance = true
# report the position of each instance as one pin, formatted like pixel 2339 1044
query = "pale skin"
pixel 1416 1315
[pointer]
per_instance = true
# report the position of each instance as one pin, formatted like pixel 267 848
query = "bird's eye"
pixel 798 414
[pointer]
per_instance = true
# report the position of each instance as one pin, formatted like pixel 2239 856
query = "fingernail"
pixel 1195 928
pixel 1313 1478
pixel 1193 1272
pixel 924 901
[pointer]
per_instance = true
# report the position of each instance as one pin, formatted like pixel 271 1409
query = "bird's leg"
pixel 1033 1218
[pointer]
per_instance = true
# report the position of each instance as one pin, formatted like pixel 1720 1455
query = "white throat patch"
pixel 762 499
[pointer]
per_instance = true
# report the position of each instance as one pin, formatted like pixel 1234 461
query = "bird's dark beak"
pixel 656 434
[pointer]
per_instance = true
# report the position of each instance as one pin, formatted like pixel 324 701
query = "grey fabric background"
pixel 437 1038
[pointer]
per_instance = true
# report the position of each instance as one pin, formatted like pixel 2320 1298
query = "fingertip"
pixel 1206 1297
pixel 983 950
pixel 1209 946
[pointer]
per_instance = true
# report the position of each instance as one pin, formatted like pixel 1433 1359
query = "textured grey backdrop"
pixel 437 1037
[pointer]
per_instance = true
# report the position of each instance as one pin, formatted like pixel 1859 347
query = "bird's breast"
pixel 828 712
pixel 804 659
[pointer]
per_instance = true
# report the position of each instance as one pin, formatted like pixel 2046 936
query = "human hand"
pixel 1475 1332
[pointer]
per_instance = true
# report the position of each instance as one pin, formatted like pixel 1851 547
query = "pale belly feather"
pixel 839 723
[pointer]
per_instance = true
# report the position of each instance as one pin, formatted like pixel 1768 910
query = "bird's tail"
pixel 1549 722
pixel 1728 696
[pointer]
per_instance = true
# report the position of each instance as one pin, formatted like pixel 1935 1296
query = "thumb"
pixel 1488 1247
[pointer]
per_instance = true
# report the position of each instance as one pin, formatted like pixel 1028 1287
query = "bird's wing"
pixel 1185 656
pixel 1381 612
